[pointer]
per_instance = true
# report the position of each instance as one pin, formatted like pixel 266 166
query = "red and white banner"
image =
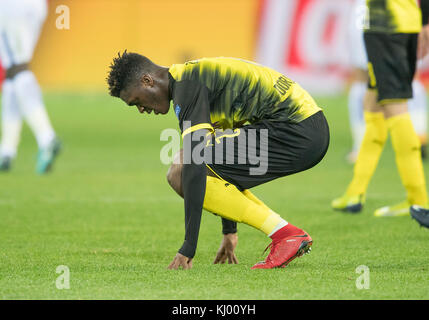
pixel 307 41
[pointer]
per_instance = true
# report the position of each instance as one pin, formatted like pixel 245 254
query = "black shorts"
pixel 264 151
pixel 391 64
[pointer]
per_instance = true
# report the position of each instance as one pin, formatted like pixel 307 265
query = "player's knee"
pixel 395 109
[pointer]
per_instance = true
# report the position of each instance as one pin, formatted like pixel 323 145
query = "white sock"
pixel 11 122
pixel 32 108
pixel 356 119
pixel 417 109
pixel 280 225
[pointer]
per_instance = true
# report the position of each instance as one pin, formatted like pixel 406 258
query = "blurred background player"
pixel 391 42
pixel 21 22
pixel 417 106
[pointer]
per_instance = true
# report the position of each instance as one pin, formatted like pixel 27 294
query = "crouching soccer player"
pixel 249 102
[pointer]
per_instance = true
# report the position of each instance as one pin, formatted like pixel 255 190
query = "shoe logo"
pixel 303 236
pixel 290 240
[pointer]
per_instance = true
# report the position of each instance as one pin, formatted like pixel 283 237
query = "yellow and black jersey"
pixel 227 93
pixel 395 16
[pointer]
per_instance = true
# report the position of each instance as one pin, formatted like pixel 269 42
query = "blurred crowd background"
pixel 305 39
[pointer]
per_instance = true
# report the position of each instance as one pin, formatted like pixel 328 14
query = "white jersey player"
pixel 416 106
pixel 21 22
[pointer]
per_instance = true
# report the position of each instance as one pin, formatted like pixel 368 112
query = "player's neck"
pixel 164 80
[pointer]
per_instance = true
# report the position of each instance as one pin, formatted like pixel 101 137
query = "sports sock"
pixel 369 153
pixel 29 97
pixel 282 229
pixel 11 122
pixel 225 200
pixel 285 231
pixel 408 158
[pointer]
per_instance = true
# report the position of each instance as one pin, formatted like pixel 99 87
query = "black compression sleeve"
pixel 228 226
pixel 194 188
pixel 192 107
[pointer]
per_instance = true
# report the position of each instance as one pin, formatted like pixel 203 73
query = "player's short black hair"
pixel 127 69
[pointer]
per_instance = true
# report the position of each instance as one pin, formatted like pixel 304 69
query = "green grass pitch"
pixel 107 213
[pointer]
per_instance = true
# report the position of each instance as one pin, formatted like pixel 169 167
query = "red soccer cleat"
pixel 285 250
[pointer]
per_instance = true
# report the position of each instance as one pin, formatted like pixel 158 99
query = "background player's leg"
pixel 356 118
pixel 372 145
pixel 406 145
pixel 417 107
pixel 355 105
pixel 30 101
pixel 33 110
pixel 11 126
pixel 368 157
pixel 22 29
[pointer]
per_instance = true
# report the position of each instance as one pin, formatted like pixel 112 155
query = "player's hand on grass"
pixel 226 250
pixel 180 261
pixel 423 42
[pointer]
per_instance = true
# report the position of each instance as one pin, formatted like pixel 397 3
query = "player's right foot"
pixel 397 210
pixel 283 251
pixel 5 163
pixel 352 204
pixel 46 156
pixel 421 215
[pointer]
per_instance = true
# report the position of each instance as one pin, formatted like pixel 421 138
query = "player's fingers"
pixel 218 256
pixel 186 265
pixel 173 265
pixel 232 259
pixel 235 260
pixel 217 259
pixel 223 258
pixel 221 255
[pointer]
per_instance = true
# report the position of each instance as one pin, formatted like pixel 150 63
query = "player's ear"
pixel 147 80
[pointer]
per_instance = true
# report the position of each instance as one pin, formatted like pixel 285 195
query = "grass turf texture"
pixel 108 214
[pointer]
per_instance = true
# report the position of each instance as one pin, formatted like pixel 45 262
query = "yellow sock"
pixel 225 200
pixel 369 153
pixel 408 158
